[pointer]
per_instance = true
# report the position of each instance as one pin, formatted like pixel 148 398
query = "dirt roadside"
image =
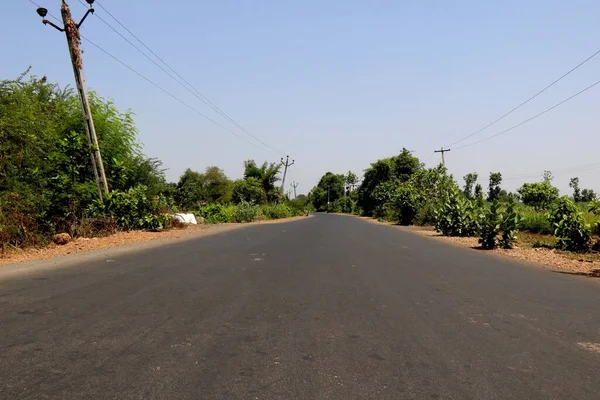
pixel 542 257
pixel 133 239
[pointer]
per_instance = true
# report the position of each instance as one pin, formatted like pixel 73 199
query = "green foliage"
pixel 245 212
pixel 267 175
pixel 535 221
pixel 456 215
pixel 470 180
pixel 588 195
pixel 213 213
pixel 494 186
pixel 275 211
pixel 569 227
pixel 131 209
pixel 539 195
pixel 594 206
pixel 248 190
pixel 498 225
pixel 372 197
pixel 329 189
pixel 407 203
pixel 45 161
pixel 195 188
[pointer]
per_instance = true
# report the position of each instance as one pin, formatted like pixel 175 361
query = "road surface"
pixel 330 307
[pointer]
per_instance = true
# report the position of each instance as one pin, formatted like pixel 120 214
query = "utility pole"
pixel 442 150
pixel 287 164
pixel 71 30
pixel 294 185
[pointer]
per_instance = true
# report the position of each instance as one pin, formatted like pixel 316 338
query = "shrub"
pixel 275 211
pixel 569 227
pixel 131 209
pixel 406 204
pixel 539 195
pixel 457 216
pixel 245 212
pixel 535 222
pixel 498 226
pixel 213 213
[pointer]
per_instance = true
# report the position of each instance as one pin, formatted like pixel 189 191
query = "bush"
pixel 569 227
pixel 539 195
pixel 407 204
pixel 457 216
pixel 498 226
pixel 213 214
pixel 275 211
pixel 131 209
pixel 535 222
pixel 245 212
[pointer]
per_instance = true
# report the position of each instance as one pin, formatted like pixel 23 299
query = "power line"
pixel 529 119
pixel 177 78
pixel 160 87
pixel 170 94
pixel 528 100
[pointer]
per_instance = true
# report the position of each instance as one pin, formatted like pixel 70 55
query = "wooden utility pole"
pixel 286 164
pixel 442 150
pixel 294 185
pixel 71 30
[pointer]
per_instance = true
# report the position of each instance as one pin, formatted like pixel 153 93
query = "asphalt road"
pixel 329 307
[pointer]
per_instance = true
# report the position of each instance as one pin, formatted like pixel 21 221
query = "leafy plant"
pixel 569 227
pixel 457 216
pixel 275 211
pixel 213 213
pixel 406 204
pixel 245 212
pixel 539 195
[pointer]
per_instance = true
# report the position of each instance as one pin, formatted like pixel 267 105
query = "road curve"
pixel 330 307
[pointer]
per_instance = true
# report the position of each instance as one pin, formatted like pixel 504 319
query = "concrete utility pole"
pixel 71 30
pixel 442 150
pixel 286 164
pixel 294 185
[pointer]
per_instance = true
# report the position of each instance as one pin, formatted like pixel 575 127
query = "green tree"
pixel 248 190
pixel 539 195
pixel 217 187
pixel 268 175
pixel 588 195
pixel 189 192
pixel 494 186
pixel 329 189
pixel 574 184
pixel 470 180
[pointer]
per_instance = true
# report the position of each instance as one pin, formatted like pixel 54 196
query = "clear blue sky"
pixel 339 84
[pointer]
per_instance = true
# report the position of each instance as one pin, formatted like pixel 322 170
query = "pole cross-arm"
pixel 52 24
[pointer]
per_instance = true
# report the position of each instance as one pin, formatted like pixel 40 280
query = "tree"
pixel 588 195
pixel 190 190
pixel 547 177
pixel 405 165
pixel 351 180
pixel 328 190
pixel 574 184
pixel 45 163
pixel 248 190
pixel 470 180
pixel 267 174
pixel 494 186
pixel 539 195
pixel 478 193
pixel 217 187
